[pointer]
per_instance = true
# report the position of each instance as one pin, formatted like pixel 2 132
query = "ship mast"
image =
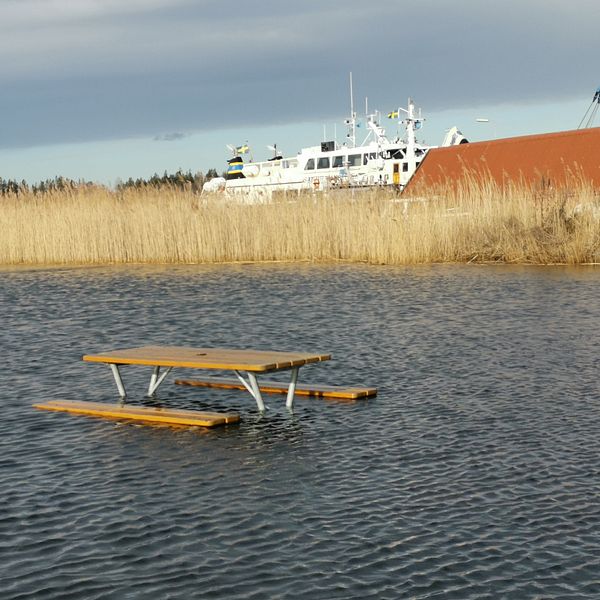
pixel 351 122
pixel 412 123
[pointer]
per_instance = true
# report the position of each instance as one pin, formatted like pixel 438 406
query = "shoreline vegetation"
pixel 477 222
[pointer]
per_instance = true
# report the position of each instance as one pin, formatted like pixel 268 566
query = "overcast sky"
pixel 169 77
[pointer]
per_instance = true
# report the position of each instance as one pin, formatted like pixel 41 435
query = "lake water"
pixel 475 473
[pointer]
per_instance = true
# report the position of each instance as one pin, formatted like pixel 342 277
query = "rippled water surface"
pixel 475 473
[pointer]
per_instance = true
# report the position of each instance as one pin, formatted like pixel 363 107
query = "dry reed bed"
pixel 479 223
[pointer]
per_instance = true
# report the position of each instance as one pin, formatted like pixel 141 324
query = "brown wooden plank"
pixel 207 358
pixel 277 387
pixel 140 413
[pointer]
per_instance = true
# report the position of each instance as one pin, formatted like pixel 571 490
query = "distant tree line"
pixel 178 180
pixel 184 180
pixel 11 187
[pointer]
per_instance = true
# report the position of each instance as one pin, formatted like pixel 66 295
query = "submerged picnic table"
pixel 246 364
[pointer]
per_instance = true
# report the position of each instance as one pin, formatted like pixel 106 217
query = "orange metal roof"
pixel 554 157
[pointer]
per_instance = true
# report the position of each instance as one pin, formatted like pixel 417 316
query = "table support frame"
pixel 117 375
pixel 251 384
pixel 156 379
pixel 289 402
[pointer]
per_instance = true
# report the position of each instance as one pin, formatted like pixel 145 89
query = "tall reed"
pixel 478 222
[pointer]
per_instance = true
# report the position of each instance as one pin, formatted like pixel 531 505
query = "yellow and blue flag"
pixel 393 115
pixel 242 149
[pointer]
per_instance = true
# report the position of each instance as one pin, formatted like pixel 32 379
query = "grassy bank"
pixel 478 224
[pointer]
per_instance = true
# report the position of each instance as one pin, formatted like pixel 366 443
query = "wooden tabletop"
pixel 207 358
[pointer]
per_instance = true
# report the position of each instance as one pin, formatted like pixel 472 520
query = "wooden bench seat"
pixel 141 413
pixel 277 387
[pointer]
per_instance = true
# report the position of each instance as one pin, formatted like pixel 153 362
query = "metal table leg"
pixel 252 387
pixel 156 379
pixel 117 375
pixel 292 389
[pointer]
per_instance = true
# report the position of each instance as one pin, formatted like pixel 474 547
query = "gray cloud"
pixel 169 137
pixel 109 69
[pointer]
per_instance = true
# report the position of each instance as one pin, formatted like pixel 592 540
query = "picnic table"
pixel 246 364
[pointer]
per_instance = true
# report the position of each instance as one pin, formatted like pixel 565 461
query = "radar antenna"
pixel 276 154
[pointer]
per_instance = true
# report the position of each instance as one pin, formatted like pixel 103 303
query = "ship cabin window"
pixel 323 162
pixel 338 162
pixel 354 160
pixel 310 164
pixel 395 153
pixel 289 164
pixel 405 167
pixel 368 157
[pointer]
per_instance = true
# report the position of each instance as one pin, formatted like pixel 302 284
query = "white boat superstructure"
pixel 376 161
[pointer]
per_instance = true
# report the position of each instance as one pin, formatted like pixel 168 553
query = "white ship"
pixel 375 161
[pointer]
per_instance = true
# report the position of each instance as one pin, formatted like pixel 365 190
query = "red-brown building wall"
pixel 555 158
